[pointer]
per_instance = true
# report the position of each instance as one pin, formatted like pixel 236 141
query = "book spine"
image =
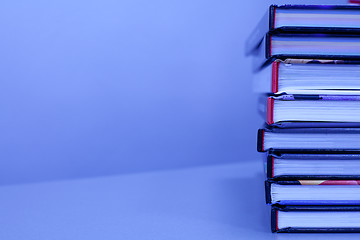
pixel 272 166
pixel 275 77
pixel 260 140
pixel 268 192
pixel 270 111
pixel 268 46
pixel 354 1
pixel 272 11
pixel 274 219
pixel 269 166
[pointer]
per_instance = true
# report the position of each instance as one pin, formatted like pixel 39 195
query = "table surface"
pixel 213 202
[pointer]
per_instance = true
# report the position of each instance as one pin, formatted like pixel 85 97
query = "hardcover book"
pixel 305 46
pixel 315 219
pixel 307 65
pixel 328 165
pixel 343 19
pixel 309 76
pixel 313 192
pixel 315 140
pixel 313 110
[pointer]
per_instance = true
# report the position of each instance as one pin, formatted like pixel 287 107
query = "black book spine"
pixel 269 166
pixel 260 140
pixel 268 53
pixel 272 17
pixel 274 219
pixel 268 192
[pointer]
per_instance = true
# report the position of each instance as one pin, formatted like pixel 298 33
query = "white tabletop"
pixel 214 202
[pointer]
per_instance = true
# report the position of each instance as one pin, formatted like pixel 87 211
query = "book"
pixel 307 66
pixel 316 140
pixel 305 46
pixel 341 19
pixel 309 76
pixel 315 219
pixel 313 110
pixel 313 192
pixel 328 165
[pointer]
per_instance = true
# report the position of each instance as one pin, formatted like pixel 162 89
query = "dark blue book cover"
pixel 311 140
pixel 316 196
pixel 319 113
pixel 324 165
pixel 282 46
pixel 308 20
pixel 307 212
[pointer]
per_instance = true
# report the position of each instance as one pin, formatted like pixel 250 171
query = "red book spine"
pixel 275 77
pixel 270 111
pixel 354 1
pixel 260 140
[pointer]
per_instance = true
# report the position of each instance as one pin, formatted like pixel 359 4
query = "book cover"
pixel 303 220
pixel 315 111
pixel 307 21
pixel 308 140
pixel 318 162
pixel 321 198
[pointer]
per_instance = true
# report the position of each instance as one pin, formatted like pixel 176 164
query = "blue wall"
pixel 102 87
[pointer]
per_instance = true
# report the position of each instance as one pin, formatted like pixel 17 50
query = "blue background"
pixel 91 88
pixel 139 91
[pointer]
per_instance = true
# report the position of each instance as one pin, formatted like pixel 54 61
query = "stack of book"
pixel 307 64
